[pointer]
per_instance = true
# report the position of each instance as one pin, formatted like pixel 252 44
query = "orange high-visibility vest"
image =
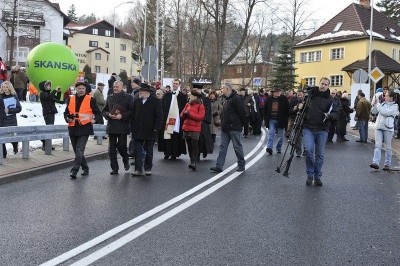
pixel 85 112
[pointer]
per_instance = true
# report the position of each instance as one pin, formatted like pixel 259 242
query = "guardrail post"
pixel 25 149
pixel 48 146
pixel 66 144
pixel 1 154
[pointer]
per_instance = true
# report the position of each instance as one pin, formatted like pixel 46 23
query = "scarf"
pixel 173 121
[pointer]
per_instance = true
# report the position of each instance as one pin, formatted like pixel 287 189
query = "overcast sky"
pixel 324 9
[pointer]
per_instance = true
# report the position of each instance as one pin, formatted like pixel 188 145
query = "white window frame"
pixel 122 59
pixel 337 53
pixel 255 69
pixel 97 56
pixel 336 80
pixel 311 56
pixel 123 47
pixel 95 31
pixel 239 70
pixel 394 53
pixel 107 45
pixel 311 81
pixel 107 33
pixel 93 44
pixel 97 69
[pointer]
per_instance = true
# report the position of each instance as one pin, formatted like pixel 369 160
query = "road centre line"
pixel 98 254
pixel 107 235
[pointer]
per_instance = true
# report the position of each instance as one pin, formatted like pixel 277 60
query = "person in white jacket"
pixel 386 111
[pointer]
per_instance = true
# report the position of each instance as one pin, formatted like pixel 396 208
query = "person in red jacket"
pixel 193 114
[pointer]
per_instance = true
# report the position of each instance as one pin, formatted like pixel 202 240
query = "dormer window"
pixel 337 28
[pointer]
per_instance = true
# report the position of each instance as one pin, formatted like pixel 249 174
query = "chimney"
pixel 365 3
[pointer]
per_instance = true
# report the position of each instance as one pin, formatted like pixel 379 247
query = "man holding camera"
pixel 80 114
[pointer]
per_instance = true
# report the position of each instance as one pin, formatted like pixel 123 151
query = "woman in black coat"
pixel 344 118
pixel 12 106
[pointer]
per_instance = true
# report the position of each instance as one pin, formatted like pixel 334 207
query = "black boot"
pixel 192 165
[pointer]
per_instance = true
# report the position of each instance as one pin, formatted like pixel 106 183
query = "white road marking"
pixel 103 237
pixel 157 221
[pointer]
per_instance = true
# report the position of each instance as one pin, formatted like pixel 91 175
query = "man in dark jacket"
pixel 145 123
pixel 320 111
pixel 111 81
pixel 276 118
pixel 233 117
pixel 48 100
pixel 80 113
pixel 118 111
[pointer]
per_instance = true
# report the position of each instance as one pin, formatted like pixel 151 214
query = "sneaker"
pixel 269 150
pixel 386 168
pixel 148 173
pixel 216 169
pixel 114 172
pixel 137 173
pixel 374 166
pixel 85 172
pixel 318 182
pixel 240 169
pixel 309 181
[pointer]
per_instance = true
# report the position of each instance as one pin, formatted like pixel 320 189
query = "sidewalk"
pixel 15 168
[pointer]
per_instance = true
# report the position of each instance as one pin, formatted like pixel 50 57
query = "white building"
pixel 38 21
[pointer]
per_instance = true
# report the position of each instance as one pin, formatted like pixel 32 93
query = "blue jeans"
pixel 363 129
pixel 383 136
pixel 271 134
pixel 226 137
pixel 140 147
pixel 314 141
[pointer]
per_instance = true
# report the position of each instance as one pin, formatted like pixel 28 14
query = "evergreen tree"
pixel 284 76
pixel 391 8
pixel 88 73
pixel 85 20
pixel 71 13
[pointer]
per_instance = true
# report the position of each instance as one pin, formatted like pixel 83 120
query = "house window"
pixel 123 47
pixel 95 31
pixel 314 56
pixel 239 69
pixel 394 54
pixel 337 27
pixel 107 45
pixel 399 55
pixel 108 33
pixel 93 43
pixel 310 81
pixel 122 59
pixel 255 69
pixel 336 80
pixel 97 56
pixel 97 69
pixel 337 53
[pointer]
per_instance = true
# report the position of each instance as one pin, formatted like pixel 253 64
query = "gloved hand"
pixel 185 114
pixel 215 114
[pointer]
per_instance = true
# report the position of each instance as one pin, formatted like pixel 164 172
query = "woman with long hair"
pixel 12 106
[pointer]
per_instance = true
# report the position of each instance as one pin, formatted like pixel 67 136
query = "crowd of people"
pixel 186 120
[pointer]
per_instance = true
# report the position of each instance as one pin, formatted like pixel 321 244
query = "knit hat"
pixel 379 90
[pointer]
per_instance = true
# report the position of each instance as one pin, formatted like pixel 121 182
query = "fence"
pixel 25 134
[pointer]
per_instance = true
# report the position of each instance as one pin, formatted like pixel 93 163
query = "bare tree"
pixel 221 11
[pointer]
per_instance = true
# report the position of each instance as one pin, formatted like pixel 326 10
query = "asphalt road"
pixel 257 217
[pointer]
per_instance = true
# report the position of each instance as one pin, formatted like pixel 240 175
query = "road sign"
pixel 149 71
pixel 360 76
pixel 150 54
pixel 376 75
pixel 257 82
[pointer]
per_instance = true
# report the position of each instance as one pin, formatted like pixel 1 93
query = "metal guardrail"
pixel 25 134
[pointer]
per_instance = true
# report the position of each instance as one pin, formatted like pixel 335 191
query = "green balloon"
pixel 54 62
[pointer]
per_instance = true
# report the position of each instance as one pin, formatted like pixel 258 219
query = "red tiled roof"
pixel 379 59
pixel 355 25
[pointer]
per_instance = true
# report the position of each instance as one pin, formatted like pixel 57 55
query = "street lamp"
pixel 126 2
